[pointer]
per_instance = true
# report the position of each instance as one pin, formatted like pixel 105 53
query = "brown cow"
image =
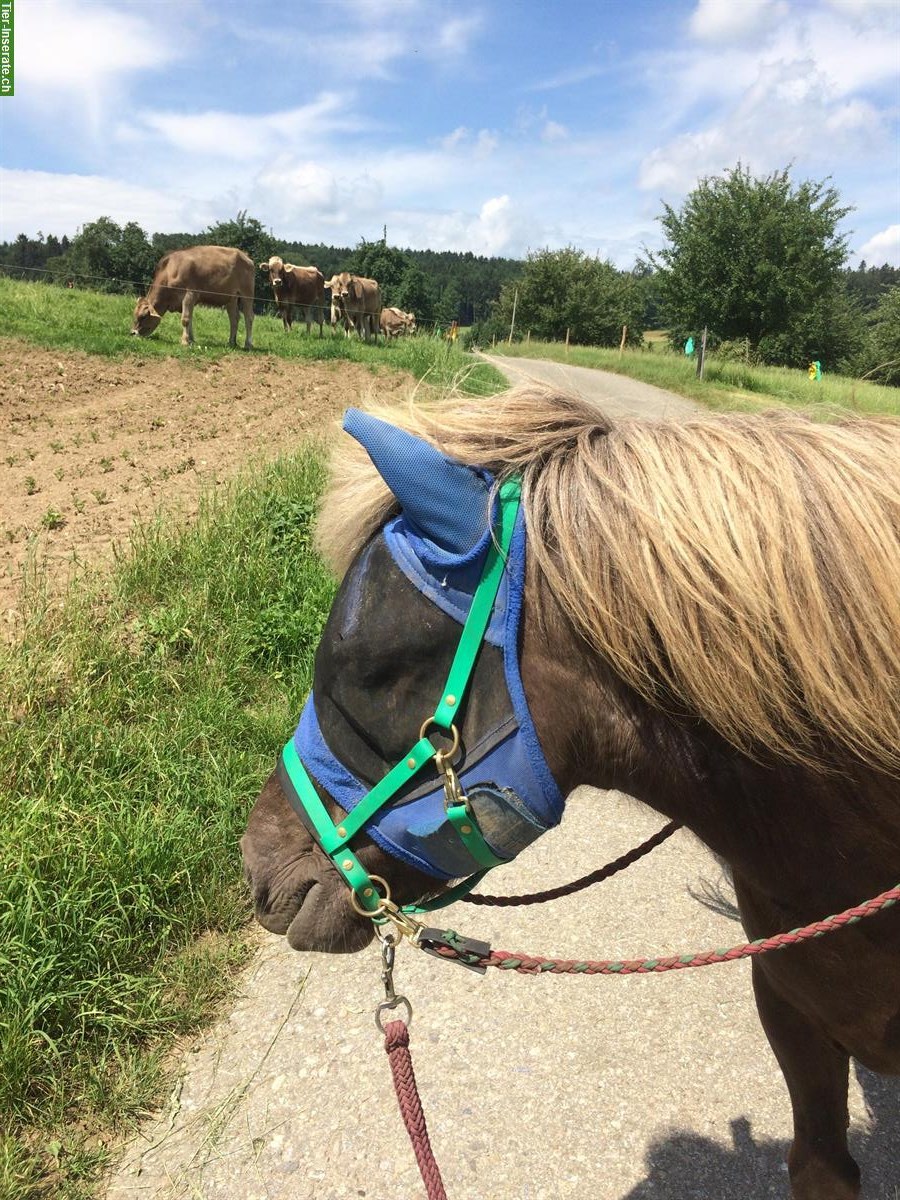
pixel 395 322
pixel 217 276
pixel 303 286
pixel 357 301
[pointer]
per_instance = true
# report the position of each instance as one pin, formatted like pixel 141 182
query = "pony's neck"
pixel 758 816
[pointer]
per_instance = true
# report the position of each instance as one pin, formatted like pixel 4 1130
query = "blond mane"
pixel 746 567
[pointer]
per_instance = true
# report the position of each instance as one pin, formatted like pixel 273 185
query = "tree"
pixel 383 263
pixel 881 359
pixel 564 290
pixel 109 258
pixel 756 259
pixel 243 233
pixel 414 295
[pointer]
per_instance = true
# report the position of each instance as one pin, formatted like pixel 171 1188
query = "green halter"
pixel 334 839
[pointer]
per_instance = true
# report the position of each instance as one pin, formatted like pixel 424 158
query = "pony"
pixel 708 618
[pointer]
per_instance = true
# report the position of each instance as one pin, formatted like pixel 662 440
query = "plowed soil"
pixel 87 444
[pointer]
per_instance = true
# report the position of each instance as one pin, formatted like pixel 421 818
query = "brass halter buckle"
pixel 443 760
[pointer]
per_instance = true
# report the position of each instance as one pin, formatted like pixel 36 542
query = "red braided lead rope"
pixel 396 1043
pixel 533 965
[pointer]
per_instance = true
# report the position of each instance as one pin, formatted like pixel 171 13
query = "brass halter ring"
pixel 442 756
pixel 453 793
pixel 387 910
pixel 383 901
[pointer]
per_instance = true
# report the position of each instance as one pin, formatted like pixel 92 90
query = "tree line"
pixel 438 286
pixel 759 263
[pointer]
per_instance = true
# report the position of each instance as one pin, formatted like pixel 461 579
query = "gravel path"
pixel 555 1088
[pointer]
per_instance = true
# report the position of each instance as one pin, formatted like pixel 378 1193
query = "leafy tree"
pixel 568 290
pixel 414 294
pixel 108 257
pixel 869 284
pixel 243 233
pixel 758 259
pixel 881 360
pixel 383 263
pixel 134 258
pixel 448 306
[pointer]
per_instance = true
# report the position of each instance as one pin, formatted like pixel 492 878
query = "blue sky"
pixel 496 127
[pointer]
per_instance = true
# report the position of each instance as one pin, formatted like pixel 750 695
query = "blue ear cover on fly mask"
pixel 445 501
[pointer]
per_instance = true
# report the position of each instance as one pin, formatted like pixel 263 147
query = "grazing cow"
pixel 217 276
pixel 300 286
pixel 357 301
pixel 395 322
pixel 337 285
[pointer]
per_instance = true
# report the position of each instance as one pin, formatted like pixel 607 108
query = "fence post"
pixel 512 323
pixel 701 358
pixel 624 336
pixel 528 337
pixel 567 340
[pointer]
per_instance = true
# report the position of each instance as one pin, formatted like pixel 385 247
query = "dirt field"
pixel 89 443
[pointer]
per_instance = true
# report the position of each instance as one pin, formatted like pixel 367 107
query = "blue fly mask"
pixel 445 818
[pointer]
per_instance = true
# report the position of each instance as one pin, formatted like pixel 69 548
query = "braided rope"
pixel 396 1043
pixel 534 965
pixel 598 876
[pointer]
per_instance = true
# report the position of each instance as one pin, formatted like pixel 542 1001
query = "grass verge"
pixel 726 384
pixel 96 323
pixel 138 724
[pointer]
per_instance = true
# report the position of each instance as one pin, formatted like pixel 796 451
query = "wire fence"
pixel 264 302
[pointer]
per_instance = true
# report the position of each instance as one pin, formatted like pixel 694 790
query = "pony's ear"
pixel 444 500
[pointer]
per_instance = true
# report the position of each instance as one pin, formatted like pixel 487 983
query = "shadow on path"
pixel 687 1166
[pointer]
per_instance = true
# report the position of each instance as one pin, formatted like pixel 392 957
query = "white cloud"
pixel 733 21
pixel 80 47
pixel 456 34
pixel 554 132
pixel 568 78
pixel 68 201
pixel 486 143
pixel 232 135
pixel 884 247
pixel 456 138
pixel 789 112
pixel 78 59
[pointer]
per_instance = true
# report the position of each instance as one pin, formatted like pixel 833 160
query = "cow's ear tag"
pixel 445 501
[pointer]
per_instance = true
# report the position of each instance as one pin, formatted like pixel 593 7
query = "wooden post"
pixel 701 357
pixel 567 340
pixel 493 341
pixel 528 337
pixel 624 336
pixel 512 323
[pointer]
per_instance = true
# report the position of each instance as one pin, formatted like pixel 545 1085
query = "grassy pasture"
pixel 96 323
pixel 138 724
pixel 726 384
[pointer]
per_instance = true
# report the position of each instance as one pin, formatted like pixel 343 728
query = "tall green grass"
pixel 138 724
pixel 72 319
pixel 726 384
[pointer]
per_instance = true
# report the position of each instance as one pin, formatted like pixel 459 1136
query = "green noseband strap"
pixel 333 838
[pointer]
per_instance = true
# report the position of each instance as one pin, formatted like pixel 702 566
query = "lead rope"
pixel 396 1044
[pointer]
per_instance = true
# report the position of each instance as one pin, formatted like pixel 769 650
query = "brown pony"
pixel 712 624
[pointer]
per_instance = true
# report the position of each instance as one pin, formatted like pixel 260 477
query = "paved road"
pixel 618 395
pixel 556 1088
